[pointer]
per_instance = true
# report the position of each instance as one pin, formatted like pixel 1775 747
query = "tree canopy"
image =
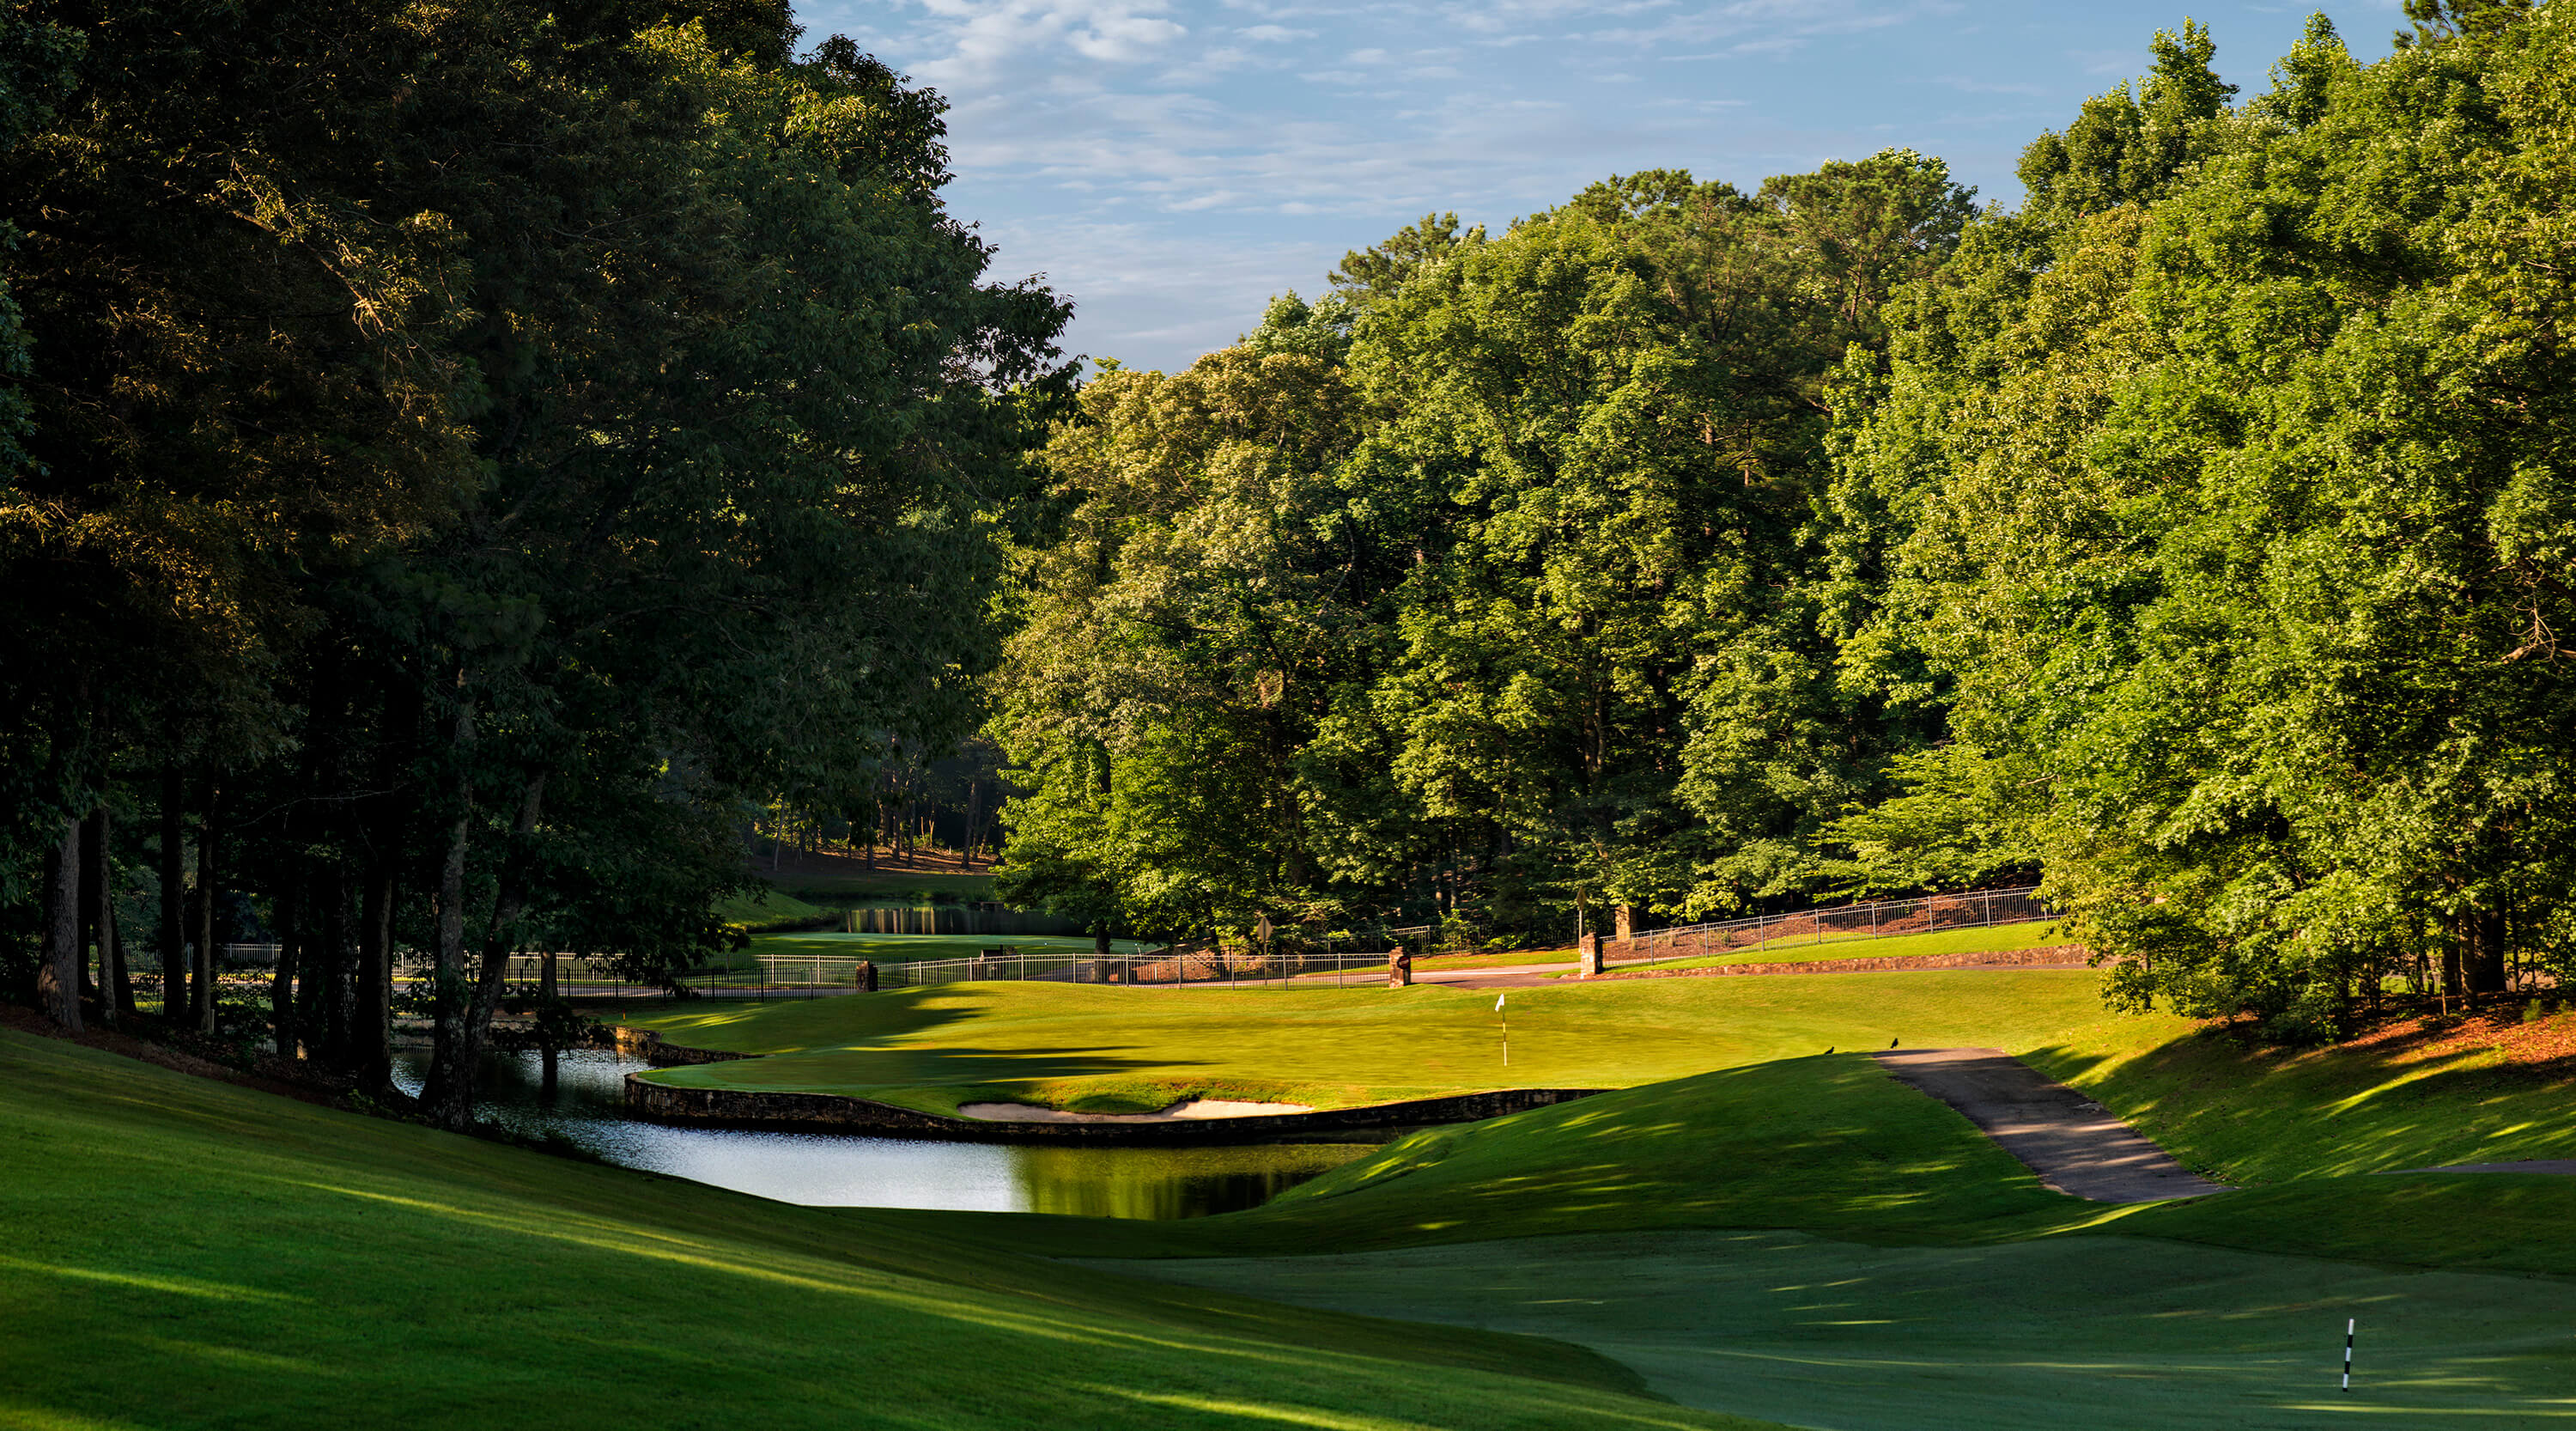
pixel 2193 534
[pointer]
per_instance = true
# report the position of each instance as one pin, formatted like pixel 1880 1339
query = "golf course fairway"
pixel 1121 1049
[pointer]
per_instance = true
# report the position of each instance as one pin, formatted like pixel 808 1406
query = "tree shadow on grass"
pixel 2249 1113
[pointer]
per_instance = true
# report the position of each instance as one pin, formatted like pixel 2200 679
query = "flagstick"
pixel 1507 1040
pixel 2349 1324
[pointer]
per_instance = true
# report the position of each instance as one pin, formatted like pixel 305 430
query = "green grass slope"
pixel 1117 1047
pixel 187 1254
pixel 2260 1115
pixel 1811 1235
pixel 2075 1331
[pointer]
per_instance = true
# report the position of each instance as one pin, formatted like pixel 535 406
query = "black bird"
pixel 1891 1043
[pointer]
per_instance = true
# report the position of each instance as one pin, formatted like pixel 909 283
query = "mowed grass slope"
pixel 1809 1241
pixel 2103 1333
pixel 184 1253
pixel 2252 1114
pixel 1079 1046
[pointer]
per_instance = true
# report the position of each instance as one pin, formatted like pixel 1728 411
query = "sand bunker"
pixel 1186 1111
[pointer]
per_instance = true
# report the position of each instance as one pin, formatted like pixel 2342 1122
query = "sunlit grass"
pixel 1336 1047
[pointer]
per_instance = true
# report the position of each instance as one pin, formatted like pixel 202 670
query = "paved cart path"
pixel 2072 1142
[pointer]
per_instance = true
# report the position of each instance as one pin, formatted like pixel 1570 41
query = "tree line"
pixel 458 465
pixel 2196 534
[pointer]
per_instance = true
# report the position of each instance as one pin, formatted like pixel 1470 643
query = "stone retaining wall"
pixel 2051 956
pixel 825 1112
pixel 655 1050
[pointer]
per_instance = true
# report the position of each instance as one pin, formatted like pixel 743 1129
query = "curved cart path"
pixel 2072 1142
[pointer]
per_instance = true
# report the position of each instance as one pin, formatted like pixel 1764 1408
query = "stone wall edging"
pixel 832 1112
pixel 650 1046
pixel 2050 956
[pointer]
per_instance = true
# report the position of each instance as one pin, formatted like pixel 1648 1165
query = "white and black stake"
pixel 2347 1351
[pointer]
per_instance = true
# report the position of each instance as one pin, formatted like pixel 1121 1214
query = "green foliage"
pixel 499 446
pixel 1497 594
pixel 2216 483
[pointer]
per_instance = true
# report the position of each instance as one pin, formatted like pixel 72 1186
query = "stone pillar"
pixel 1626 915
pixel 865 976
pixel 1590 954
pixel 1399 968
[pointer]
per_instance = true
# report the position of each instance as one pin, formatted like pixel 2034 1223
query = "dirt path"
pixel 2072 1142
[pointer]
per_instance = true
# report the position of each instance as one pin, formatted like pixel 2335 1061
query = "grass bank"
pixel 192 1254
pixel 2408 1098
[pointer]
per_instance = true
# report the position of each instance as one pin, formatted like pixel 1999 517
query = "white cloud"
pixel 1171 163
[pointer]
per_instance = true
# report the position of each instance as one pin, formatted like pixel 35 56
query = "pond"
pixel 587 1107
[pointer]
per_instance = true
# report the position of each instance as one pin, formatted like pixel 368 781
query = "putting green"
pixel 2091 1331
pixel 1062 1044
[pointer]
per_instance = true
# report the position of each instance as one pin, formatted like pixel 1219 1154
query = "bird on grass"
pixel 1829 1050
pixel 1891 1043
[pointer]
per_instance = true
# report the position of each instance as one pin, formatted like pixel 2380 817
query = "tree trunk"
pixel 202 988
pixel 331 967
pixel 456 1109
pixel 450 1072
pixel 371 1048
pixel 58 978
pixel 174 895
pixel 281 979
pixel 2483 933
pixel 98 913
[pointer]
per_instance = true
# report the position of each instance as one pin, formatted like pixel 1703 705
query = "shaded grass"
pixel 2092 1331
pixel 863 887
pixel 765 908
pixel 1328 1047
pixel 188 1254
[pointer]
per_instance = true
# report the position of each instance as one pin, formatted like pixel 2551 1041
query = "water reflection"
pixel 582 1100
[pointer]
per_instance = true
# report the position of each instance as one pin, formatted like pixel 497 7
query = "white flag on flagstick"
pixel 1498 1003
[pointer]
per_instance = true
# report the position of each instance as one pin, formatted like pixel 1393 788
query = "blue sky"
pixel 1170 164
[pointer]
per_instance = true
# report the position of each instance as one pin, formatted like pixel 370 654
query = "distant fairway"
pixel 1110 1047
pixel 1989 940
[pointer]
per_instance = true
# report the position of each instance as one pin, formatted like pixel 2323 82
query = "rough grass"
pixel 1327 1047
pixel 186 1253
